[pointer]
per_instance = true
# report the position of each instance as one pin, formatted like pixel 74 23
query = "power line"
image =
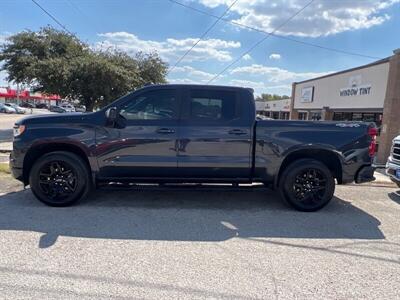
pixel 274 35
pixel 52 17
pixel 202 36
pixel 261 41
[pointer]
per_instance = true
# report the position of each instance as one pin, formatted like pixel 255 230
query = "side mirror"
pixel 111 114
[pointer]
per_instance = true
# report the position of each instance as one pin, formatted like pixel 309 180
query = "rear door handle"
pixel 165 130
pixel 237 132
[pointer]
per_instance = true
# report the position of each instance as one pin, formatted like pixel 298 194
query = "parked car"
pixel 189 133
pixel 68 107
pixel 7 109
pixel 55 108
pixel 262 117
pixel 393 163
pixel 18 109
pixel 80 108
pixel 27 105
pixel 42 105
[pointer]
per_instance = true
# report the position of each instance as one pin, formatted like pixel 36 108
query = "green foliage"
pixel 55 62
pixel 270 97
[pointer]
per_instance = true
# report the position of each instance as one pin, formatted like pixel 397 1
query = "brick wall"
pixel 391 110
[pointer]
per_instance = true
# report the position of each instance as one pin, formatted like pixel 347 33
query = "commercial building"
pixel 275 109
pixel 8 95
pixel 366 93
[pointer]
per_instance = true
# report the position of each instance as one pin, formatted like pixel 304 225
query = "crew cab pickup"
pixel 189 134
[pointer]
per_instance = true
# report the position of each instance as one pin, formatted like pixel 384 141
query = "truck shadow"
pixel 184 215
pixel 395 196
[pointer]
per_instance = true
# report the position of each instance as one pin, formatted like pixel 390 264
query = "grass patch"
pixel 4 168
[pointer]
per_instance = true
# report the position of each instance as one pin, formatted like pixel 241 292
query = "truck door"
pixel 215 135
pixel 146 145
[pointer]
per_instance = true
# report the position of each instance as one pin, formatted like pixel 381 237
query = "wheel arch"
pixel 37 151
pixel 328 157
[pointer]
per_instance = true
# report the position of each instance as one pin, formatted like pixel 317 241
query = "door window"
pixel 213 105
pixel 153 105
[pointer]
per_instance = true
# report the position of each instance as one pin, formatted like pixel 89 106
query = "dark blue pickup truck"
pixel 189 134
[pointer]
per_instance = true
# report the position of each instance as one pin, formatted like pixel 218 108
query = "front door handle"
pixel 165 130
pixel 237 132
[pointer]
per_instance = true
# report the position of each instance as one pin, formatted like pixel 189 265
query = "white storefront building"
pixel 276 109
pixel 355 94
pixel 368 93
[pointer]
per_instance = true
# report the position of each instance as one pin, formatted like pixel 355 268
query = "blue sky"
pixel 367 27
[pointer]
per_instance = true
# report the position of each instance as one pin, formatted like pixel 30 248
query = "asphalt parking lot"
pixel 163 244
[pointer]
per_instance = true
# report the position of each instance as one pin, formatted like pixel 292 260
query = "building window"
pixel 316 116
pixel 303 115
pixel 285 115
pixel 364 117
pixel 275 115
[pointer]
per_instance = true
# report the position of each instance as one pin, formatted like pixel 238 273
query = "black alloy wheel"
pixel 57 179
pixel 60 178
pixel 307 185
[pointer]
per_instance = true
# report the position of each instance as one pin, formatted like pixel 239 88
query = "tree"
pixel 270 97
pixel 55 62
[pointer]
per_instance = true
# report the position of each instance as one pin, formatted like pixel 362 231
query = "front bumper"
pixel 391 168
pixel 16 170
pixel 16 161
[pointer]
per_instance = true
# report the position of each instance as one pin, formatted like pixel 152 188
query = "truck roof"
pixel 199 86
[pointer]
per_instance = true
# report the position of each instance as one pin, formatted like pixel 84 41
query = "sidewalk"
pixel 381 179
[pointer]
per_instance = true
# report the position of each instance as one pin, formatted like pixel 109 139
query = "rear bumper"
pixel 391 168
pixel 365 174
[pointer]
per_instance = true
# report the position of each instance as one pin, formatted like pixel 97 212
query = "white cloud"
pixel 170 49
pixel 275 56
pixel 3 36
pixel 247 57
pixel 321 18
pixel 3 81
pixel 182 81
pixel 274 74
pixel 263 86
pixel 248 83
pixel 194 74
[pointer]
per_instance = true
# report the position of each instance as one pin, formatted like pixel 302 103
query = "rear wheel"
pixel 307 185
pixel 59 178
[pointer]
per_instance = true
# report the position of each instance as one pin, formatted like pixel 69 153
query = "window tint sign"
pixel 355 88
pixel 307 94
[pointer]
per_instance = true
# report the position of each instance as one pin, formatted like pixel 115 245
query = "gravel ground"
pixel 164 244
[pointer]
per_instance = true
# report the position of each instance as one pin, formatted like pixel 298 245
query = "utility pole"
pixel 17 93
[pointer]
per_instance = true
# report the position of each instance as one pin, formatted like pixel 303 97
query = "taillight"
pixel 372 132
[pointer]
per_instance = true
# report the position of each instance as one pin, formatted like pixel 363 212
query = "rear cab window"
pixel 212 106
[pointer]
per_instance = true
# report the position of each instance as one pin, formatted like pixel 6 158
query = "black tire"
pixel 307 185
pixel 60 179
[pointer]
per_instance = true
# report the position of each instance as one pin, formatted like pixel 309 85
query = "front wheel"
pixel 307 185
pixel 59 178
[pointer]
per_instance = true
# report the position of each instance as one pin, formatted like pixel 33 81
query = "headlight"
pixel 18 130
